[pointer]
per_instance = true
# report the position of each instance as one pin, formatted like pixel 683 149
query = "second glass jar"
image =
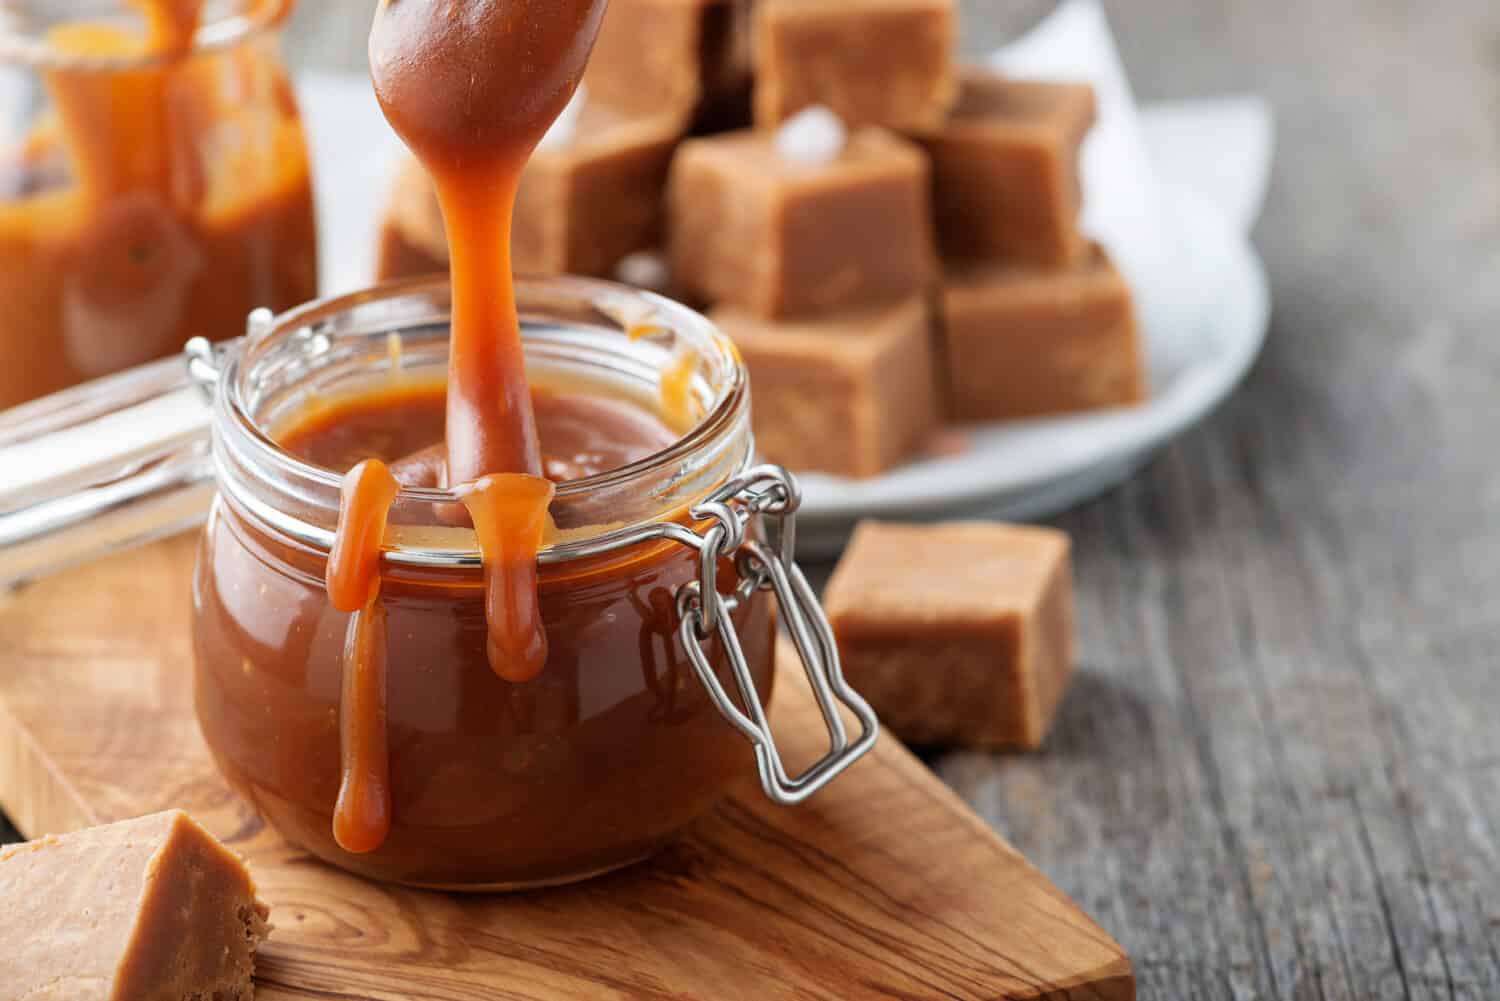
pixel 154 184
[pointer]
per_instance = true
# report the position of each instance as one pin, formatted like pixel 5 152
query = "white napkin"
pixel 1139 166
pixel 1217 150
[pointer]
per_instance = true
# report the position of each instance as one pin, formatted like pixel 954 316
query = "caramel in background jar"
pixel 156 191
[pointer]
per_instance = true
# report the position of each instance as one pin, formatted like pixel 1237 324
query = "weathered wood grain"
pixel 1283 755
pixel 884 886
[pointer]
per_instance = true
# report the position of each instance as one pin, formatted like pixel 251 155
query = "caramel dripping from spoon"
pixel 472 86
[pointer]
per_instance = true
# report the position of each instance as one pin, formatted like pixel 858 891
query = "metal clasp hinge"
pixel 772 492
pixel 205 359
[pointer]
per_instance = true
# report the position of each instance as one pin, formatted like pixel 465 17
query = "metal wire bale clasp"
pixel 772 492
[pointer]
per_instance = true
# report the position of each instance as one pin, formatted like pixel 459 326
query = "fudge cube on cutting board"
pixel 960 633
pixel 689 59
pixel 781 237
pixel 1005 178
pixel 147 909
pixel 873 62
pixel 585 201
pixel 851 393
pixel 1019 343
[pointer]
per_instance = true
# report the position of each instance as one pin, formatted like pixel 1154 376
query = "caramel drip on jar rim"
pixel 677 401
pixel 368 492
pixel 362 815
pixel 676 387
pixel 510 518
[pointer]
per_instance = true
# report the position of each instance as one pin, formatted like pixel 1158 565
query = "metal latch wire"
pixel 770 491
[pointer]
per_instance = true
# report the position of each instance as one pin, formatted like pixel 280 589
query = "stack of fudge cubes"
pixel 890 238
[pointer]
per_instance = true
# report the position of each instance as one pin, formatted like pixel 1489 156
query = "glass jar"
pixel 154 184
pixel 658 593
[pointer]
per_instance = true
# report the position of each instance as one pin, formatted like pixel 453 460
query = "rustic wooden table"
pixel 1279 774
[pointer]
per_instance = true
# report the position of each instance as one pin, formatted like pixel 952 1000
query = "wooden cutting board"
pixel 883 886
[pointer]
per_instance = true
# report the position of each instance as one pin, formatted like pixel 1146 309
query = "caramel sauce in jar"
pixel 463 778
pixel 516 724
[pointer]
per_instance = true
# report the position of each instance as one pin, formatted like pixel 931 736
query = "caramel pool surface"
pixel 885 884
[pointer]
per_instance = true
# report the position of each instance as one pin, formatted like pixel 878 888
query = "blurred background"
pixel 1278 775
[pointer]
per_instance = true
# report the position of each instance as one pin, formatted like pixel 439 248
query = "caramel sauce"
pixel 584 435
pixel 369 489
pixel 471 86
pixel 677 387
pixel 362 816
pixel 510 517
pixel 171 24
pixel 583 432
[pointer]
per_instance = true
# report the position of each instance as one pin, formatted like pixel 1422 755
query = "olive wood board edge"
pixel 885 885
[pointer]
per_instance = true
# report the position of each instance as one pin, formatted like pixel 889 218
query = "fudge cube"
pixel 1005 179
pixel 1019 343
pixel 584 203
pixel 782 237
pixel 689 59
pixel 413 240
pixel 148 908
pixel 851 393
pixel 874 62
pixel 958 633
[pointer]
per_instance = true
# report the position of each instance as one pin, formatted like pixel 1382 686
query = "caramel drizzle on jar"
pixel 362 815
pixel 471 86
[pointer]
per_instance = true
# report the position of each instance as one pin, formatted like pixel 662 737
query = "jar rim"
pixel 726 410
pixel 213 35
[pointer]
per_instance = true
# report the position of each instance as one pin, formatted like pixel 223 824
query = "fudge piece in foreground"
pixel 873 62
pixel 782 237
pixel 152 909
pixel 852 393
pixel 958 633
pixel 585 202
pixel 1005 179
pixel 689 59
pixel 1022 343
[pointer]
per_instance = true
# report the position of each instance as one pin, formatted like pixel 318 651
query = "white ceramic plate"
pixel 1198 350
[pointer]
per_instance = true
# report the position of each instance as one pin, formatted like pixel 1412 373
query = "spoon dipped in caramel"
pixel 471 86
